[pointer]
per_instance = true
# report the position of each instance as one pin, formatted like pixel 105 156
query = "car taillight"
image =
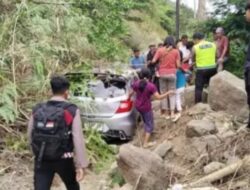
pixel 125 106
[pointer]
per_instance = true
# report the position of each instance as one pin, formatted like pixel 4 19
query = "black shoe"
pixel 248 126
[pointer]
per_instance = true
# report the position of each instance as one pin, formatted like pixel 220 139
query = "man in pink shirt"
pixel 222 43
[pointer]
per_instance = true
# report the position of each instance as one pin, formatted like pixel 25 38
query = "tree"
pixel 230 15
pixel 201 12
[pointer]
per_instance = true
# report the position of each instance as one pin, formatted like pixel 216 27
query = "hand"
pixel 171 92
pixel 220 60
pixel 169 48
pixel 80 174
pixel 134 72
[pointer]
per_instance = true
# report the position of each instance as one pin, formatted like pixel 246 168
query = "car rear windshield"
pixel 97 85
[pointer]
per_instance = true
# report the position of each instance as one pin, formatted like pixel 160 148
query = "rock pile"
pixel 208 151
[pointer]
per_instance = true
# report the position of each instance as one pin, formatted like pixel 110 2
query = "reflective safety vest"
pixel 205 55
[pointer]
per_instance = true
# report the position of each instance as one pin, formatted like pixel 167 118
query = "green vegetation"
pixel 16 143
pixel 231 16
pixel 39 38
pixel 99 152
pixel 187 20
pixel 117 178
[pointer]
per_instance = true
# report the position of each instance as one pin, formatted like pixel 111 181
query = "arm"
pixel 149 63
pixel 145 62
pixel 226 45
pixel 156 57
pixel 131 93
pixel 178 63
pixel 148 59
pixel 193 56
pixel 158 96
pixel 131 63
pixel 81 160
pixel 178 60
pixel 29 131
pixel 185 60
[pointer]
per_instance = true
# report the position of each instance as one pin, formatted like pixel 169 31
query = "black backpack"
pixel 51 134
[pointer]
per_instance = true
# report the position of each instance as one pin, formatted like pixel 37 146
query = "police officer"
pixel 204 56
pixel 72 162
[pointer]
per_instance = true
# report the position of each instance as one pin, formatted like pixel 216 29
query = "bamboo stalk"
pixel 53 3
pixel 231 169
pixel 13 65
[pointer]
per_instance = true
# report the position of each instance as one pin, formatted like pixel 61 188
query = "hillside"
pixel 40 38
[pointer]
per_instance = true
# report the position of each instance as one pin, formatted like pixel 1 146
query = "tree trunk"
pixel 194 8
pixel 177 19
pixel 201 12
pixel 228 170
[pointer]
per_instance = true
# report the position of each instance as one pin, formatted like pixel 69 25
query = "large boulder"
pixel 189 148
pixel 162 149
pixel 189 96
pixel 142 168
pixel 199 128
pixel 227 93
pixel 212 141
pixel 200 109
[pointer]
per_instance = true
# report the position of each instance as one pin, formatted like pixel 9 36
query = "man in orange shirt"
pixel 222 43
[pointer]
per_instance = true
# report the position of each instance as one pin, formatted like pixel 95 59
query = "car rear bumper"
pixel 120 126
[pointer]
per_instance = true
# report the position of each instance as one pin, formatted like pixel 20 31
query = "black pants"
pixel 247 84
pixel 156 82
pixel 64 168
pixel 154 78
pixel 202 78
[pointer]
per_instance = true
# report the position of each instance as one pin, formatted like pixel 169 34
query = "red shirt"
pixel 222 43
pixel 168 60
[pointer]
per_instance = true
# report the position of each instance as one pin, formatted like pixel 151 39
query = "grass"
pixel 117 178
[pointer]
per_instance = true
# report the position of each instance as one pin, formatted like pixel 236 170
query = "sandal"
pixel 148 145
pixel 176 118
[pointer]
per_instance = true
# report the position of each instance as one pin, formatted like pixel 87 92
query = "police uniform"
pixel 205 57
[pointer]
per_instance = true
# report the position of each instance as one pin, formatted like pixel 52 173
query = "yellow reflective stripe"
pixel 210 67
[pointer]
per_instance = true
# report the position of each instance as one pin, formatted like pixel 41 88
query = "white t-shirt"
pixel 185 52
